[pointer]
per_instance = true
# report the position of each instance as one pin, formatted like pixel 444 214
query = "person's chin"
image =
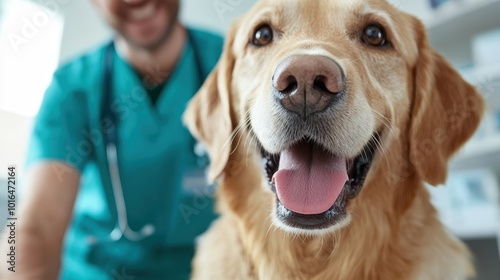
pixel 150 43
pixel 149 34
pixel 147 39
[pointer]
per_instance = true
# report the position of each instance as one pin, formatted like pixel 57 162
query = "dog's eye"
pixel 263 36
pixel 374 35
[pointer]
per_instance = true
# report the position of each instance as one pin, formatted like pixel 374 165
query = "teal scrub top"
pixel 162 178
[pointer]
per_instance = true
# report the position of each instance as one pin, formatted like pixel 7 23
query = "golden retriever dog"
pixel 323 121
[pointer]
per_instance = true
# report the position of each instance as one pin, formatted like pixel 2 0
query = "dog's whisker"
pixel 318 253
pixel 231 137
pixel 376 145
pixel 234 133
pixel 385 121
pixel 268 230
pixel 269 220
pixel 241 126
pixel 245 122
pixel 383 151
pixel 379 147
pixel 334 246
pixel 251 143
pixel 364 152
pixel 336 241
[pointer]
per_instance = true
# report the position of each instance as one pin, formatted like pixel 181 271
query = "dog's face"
pixel 323 87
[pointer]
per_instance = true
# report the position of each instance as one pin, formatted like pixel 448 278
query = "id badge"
pixel 194 180
pixel 195 183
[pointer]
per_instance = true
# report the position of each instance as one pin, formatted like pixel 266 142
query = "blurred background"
pixel 38 35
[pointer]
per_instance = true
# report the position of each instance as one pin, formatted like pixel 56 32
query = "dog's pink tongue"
pixel 309 180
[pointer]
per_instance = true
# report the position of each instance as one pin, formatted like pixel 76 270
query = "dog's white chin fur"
pixel 311 232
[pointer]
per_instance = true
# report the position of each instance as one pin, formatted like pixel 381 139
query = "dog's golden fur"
pixel 424 110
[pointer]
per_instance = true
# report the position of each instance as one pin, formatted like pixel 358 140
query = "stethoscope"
pixel 110 137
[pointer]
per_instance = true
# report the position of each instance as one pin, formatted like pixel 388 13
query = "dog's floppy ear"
pixel 208 115
pixel 446 111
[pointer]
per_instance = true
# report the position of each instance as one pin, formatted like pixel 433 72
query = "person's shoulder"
pixel 210 43
pixel 82 68
pixel 207 46
pixel 75 81
pixel 207 37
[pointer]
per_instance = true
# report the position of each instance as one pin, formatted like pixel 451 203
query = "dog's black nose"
pixel 306 84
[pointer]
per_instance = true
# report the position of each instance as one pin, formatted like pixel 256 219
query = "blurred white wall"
pixel 13 141
pixel 83 28
pixel 215 15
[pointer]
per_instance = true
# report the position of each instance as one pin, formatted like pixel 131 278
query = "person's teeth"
pixel 144 12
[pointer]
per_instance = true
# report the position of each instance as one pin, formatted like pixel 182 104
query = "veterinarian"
pixel 116 187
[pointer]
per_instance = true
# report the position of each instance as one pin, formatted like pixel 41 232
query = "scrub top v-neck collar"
pixel 130 91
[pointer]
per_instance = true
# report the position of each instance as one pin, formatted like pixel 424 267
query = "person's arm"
pixel 45 213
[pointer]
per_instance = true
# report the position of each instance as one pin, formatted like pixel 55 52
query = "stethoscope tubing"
pixel 110 136
pixel 122 228
pixel 122 222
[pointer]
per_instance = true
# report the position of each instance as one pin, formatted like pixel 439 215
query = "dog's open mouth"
pixel 313 185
